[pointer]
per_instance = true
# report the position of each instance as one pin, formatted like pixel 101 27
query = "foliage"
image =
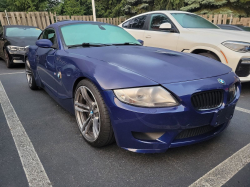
pixel 116 8
pixel 235 7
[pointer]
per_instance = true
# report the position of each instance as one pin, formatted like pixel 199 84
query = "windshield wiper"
pixel 87 45
pixel 127 43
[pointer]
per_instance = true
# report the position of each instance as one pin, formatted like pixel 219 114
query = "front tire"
pixel 9 63
pixel 92 115
pixel 30 77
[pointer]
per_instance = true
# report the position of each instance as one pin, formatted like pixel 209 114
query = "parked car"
pixel 234 27
pixel 148 99
pixel 14 39
pixel 190 33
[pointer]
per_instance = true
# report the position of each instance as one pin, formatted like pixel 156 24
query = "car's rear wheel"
pixel 210 55
pixel 9 63
pixel 30 78
pixel 92 115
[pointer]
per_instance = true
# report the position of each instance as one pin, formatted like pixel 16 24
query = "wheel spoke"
pixel 80 109
pixel 85 123
pixel 88 126
pixel 95 127
pixel 86 96
pixel 81 105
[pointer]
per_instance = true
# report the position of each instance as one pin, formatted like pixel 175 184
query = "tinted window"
pixel 193 21
pixel 136 23
pixel 77 34
pixel 157 20
pixel 50 34
pixel 245 28
pixel 22 32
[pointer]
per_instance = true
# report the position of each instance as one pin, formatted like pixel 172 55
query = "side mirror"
pixel 141 41
pixel 44 43
pixel 165 26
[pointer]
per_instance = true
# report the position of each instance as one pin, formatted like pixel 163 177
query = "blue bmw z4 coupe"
pixel 147 99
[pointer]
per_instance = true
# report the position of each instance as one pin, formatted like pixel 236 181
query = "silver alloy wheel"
pixel 28 73
pixel 87 113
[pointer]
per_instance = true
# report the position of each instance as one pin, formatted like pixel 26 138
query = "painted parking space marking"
pixel 242 110
pixel 225 170
pixel 11 73
pixel 31 163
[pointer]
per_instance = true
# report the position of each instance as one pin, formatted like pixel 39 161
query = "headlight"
pixel 16 49
pixel 231 93
pixel 146 97
pixel 241 47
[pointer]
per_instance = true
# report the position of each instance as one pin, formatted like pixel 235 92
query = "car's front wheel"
pixel 92 115
pixel 9 63
pixel 30 77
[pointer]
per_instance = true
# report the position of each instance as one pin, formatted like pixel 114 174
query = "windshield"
pixel 245 28
pixel 77 34
pixel 193 21
pixel 22 32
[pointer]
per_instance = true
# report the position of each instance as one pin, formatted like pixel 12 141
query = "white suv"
pixel 190 33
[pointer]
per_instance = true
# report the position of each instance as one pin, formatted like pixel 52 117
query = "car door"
pixel 136 26
pixel 155 37
pixel 46 61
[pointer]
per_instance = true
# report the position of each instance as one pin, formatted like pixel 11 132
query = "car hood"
pixel 159 65
pixel 21 41
pixel 220 35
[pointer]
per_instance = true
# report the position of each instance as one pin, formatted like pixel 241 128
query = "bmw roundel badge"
pixel 221 81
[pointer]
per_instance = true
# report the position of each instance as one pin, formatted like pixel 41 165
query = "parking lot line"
pixel 242 110
pixel 11 73
pixel 32 165
pixel 225 170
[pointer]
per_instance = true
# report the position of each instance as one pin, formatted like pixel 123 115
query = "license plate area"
pixel 223 115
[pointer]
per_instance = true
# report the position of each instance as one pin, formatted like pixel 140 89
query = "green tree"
pixel 72 7
pixel 3 5
pixel 236 7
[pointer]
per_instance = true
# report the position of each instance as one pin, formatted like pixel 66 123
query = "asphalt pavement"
pixel 69 161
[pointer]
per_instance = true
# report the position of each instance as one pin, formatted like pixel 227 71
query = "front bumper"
pixel 168 123
pixel 233 59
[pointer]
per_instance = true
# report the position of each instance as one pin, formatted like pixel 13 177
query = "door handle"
pixel 148 36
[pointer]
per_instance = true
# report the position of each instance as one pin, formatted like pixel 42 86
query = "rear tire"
pixel 9 63
pixel 92 115
pixel 210 55
pixel 30 77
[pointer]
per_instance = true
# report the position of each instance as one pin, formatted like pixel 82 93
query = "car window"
pixel 157 20
pixel 193 21
pixel 98 33
pixel 245 28
pixel 136 23
pixel 50 35
pixel 22 32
